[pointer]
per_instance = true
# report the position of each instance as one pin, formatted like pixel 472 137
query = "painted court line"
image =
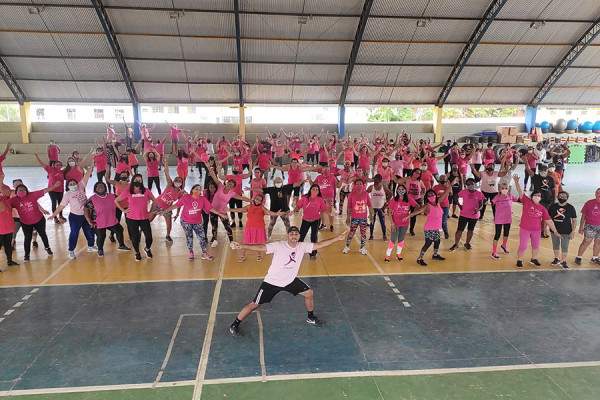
pixel 18 304
pixel 1 319
pixel 209 329
pixel 27 297
pixel 263 368
pixel 169 349
pixel 406 304
pixel 9 312
pixel 52 275
pixel 34 290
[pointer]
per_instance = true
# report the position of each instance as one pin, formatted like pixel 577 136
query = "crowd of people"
pixel 361 180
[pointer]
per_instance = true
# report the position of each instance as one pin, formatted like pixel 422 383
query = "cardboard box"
pixel 507 130
pixel 520 139
pixel 539 136
pixel 507 138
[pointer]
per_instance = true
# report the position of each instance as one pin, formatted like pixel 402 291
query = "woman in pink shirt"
pixel 152 166
pixel 433 223
pixel 55 174
pixel 100 160
pixel 359 208
pixel 7 225
pixel 183 163
pixel 589 227
pixel 312 204
pixel 258 182
pixel 173 192
pixel 52 151
pixel 75 198
pixel 121 184
pixel 100 213
pixel 75 166
pixel 503 217
pixel 136 214
pixel 398 209
pixel 531 224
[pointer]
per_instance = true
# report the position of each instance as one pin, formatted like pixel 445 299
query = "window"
pixel 158 109
pixel 191 110
pixel 569 112
pixel 71 114
pixel 99 113
pixel 584 112
pixel 119 114
pixel 173 109
pixel 40 114
pixel 248 120
pixel 231 120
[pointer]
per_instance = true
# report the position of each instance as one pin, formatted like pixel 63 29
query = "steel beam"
pixel 579 46
pixel 12 83
pixel 238 46
pixel 114 45
pixel 467 51
pixel 362 23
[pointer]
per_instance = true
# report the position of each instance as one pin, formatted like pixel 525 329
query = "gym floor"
pixel 469 327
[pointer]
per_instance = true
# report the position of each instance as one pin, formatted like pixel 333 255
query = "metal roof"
pixel 299 51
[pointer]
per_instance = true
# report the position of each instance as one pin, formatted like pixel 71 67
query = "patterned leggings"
pixel 284 218
pixel 354 223
pixel 214 219
pixel 189 230
pixel 343 196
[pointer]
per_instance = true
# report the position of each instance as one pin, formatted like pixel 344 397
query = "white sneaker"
pixel 232 246
pixel 72 255
pixel 362 251
pixel 346 250
pixel 92 249
pixel 214 244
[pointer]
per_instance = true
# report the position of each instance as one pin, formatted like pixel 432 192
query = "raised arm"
pixel 39 160
pixel 167 175
pixel 6 149
pixel 518 186
pixel 81 164
pixel 325 243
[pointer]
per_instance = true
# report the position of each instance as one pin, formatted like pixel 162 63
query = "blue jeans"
pixel 445 218
pixel 77 222
pixel 378 212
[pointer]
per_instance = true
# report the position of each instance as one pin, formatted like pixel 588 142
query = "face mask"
pixel 431 199
pixel 543 174
pixel 301 161
pixel 536 199
pixel 401 192
pixel 21 194
pixel 489 169
pixel 237 153
pixel 236 172
pixel 551 169
pixel 58 167
pixel 384 164
pixel 530 151
pixel 562 199
pixel 52 143
pixel 257 174
pixel 471 188
pixel 504 191
pixel 454 169
pixel 177 184
pixel 442 181
pixel 196 194
pixel 72 188
pixel 598 197
pixel 137 184
pixel 123 178
pixel 71 163
pixel 359 187
pixel 278 184
pixel 424 168
pixel 359 173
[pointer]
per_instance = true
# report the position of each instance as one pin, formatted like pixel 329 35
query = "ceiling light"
pixel 421 23
pixel 302 20
pixel 35 9
pixel 537 24
pixel 175 14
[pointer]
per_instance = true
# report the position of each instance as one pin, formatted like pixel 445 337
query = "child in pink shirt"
pixel 312 205
pixel 503 217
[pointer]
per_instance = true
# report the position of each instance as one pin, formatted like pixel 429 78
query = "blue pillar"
pixel 342 121
pixel 137 116
pixel 530 116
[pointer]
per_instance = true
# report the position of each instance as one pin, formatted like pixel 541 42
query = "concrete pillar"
pixel 437 124
pixel 137 116
pixel 530 117
pixel 25 121
pixel 242 122
pixel 341 121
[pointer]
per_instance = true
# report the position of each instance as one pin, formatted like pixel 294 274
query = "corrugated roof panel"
pixel 39 90
pixel 211 72
pixel 431 8
pixel 398 75
pixel 209 49
pixel 507 95
pixel 495 76
pixel 287 27
pixel 319 74
pixel 27 44
pixel 84 69
pixel 590 57
pixel 268 73
pixel 178 4
pixel 352 7
pixel 142 21
pixel 214 93
pixel 433 53
pixel 517 55
pixel 552 9
pixel 142 47
pixel 316 94
pixel 521 32
pixel 563 96
pixel 415 95
pixel 41 68
pixel 83 45
pixel 207 24
pixel 590 96
pixel 5 93
pixel 269 50
pixel 329 28
pixel 139 3
pixel 112 91
pixel 384 53
pixel 580 77
pixel 153 92
pixel 67 2
pixel 17 18
pixel 64 19
pixel 364 94
pixel 374 75
pixel 407 30
pixel 465 95
pixel 267 94
pixel 292 6
pixel 157 71
pixel 335 52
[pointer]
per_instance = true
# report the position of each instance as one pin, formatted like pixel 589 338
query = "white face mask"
pixel 71 163
pixel 301 161
pixel 536 199
pixel 278 184
pixel 504 191
pixel 543 174
pixel 177 184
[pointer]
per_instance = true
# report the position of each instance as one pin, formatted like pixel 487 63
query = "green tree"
pixel 9 113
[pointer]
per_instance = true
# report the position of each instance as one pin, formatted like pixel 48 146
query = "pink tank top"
pixel 434 218
pixel 414 189
pixel 294 175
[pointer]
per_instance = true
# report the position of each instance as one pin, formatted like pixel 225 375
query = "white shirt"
pixel 286 262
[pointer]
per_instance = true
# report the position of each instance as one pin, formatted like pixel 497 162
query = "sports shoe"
pixel 454 247
pixel 362 251
pixel 519 264
pixel 387 259
pixel 235 331
pixel 596 260
pixel 504 249
pixel 454 216
pixel 446 235
pixel 399 258
pixel 240 225
pixel 330 228
pixel 346 250
pixel 92 249
pixel 438 257
pixel 207 256
pixel 556 261
pixel 138 257
pixel 384 238
pixel 232 246
pixel 112 238
pixel 421 262
pixel 148 253
pixel 100 253
pixel 535 262
pixel 313 256
pixel 26 258
pixel 315 321
pixel 322 226
pixel 412 233
pixel 564 265
pixel 578 260
pixel 495 256
pixel 49 251
pixel 191 258
pixel 72 255
pixel 371 238
pixel 168 239
pixel 124 248
pixel 12 263
pixel 468 246
pixel 214 243
pixel 35 243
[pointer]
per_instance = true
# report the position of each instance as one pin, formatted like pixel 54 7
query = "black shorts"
pixel 310 157
pixel 464 221
pixel 296 191
pixel 323 163
pixel 266 292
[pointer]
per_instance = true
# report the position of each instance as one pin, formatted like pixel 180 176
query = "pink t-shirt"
pixel 591 210
pixel 327 185
pixel 489 183
pixel 359 204
pixel 470 203
pixel 427 179
pixel 175 133
pixel 105 210
pixel 311 207
pixel 503 208
pixel 122 166
pixel 434 218
pixel 400 209
pixel 286 262
pixel 414 189
pixel 221 199
pixel 386 173
pixel 463 165
pixel 160 148
pixel 7 223
pixel 138 204
pixel 238 182
pixel 100 160
pixel 55 175
pixel 53 152
pixel 432 165
pixel 193 207
pixel 75 199
pixel 148 146
pixel 168 197
pixel 263 160
pixel 27 207
pixel 439 190
pixel 397 166
pixel 294 175
pixel 349 154
pixel 257 184
pixel 152 167
pixel 533 214
pixel 74 173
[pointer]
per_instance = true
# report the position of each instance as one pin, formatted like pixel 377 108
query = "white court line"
pixel 26 297
pixel 1 319
pixel 395 290
pixel 391 284
pixel 401 297
pixel 169 349
pixel 406 304
pixel 18 304
pixel 9 312
pixel 52 275
pixel 209 329
pixel 34 290
pixel 263 368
